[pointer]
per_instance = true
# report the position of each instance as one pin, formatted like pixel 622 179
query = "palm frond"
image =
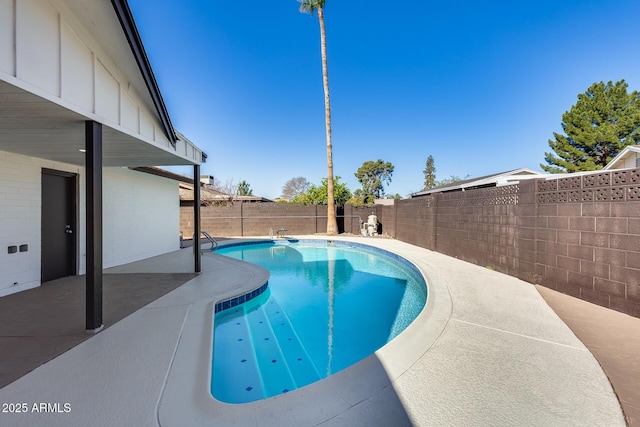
pixel 310 6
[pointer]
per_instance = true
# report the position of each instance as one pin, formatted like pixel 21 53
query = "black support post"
pixel 196 219
pixel 93 170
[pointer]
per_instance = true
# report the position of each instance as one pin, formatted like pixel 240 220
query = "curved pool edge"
pixel 502 357
pixel 226 304
pixel 333 395
pixel 338 243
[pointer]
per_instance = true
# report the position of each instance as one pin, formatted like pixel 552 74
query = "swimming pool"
pixel 326 307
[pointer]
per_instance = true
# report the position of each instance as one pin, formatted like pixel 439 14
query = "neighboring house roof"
pixel 494 180
pixel 208 194
pixel 385 202
pixel 627 158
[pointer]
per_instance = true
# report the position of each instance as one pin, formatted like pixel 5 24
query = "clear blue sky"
pixel 480 86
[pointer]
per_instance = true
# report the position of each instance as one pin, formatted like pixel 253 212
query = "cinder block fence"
pixel 579 235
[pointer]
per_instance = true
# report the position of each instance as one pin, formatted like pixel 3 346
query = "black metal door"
pixel 58 225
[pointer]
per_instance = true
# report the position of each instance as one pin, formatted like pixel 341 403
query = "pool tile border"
pixel 230 303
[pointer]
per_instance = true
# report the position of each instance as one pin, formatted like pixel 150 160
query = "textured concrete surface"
pixel 613 338
pixel 42 323
pixel 486 350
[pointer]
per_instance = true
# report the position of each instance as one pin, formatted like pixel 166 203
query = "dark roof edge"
pixel 163 173
pixel 125 16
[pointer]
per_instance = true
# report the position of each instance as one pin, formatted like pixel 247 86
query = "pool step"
pixel 276 376
pixel 302 368
pixel 258 354
pixel 236 372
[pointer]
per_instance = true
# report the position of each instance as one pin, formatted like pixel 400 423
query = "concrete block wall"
pixel 525 250
pixel 255 219
pixel 479 226
pixel 387 218
pixel 415 221
pixel 588 237
pixel 259 218
pixel 579 235
pixel 223 221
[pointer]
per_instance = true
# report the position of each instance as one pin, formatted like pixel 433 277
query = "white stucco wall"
pixel 140 219
pixel 141 216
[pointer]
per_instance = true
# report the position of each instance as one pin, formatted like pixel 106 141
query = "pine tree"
pixel 604 120
pixel 373 175
pixel 244 189
pixel 429 174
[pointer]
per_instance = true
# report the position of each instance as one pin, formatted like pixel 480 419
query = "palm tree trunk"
pixel 332 222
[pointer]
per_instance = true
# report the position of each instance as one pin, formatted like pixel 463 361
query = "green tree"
pixel 429 174
pixel 295 187
pixel 372 176
pixel 318 195
pixel 604 120
pixel 451 180
pixel 357 200
pixel 310 7
pixel 244 189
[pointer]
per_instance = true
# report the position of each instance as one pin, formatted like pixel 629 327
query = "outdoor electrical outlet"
pixel 12 249
pixel 24 248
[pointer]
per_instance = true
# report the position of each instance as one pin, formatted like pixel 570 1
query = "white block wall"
pixel 19 216
pixel 20 204
pixel 141 217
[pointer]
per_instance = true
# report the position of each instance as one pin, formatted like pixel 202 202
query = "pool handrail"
pixel 214 244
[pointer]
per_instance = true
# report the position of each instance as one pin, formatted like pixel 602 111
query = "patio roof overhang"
pixel 41 122
pixel 35 126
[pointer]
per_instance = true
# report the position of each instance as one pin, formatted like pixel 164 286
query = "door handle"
pixel 68 229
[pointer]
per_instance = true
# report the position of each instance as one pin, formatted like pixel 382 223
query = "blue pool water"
pixel 326 307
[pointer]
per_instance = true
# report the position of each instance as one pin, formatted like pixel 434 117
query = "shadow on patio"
pixel 40 324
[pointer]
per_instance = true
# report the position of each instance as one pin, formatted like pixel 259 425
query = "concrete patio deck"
pixel 487 350
pixel 42 323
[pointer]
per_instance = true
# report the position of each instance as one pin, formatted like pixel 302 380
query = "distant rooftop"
pixel 493 180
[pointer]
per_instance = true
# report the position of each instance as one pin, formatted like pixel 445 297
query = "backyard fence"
pixel 579 235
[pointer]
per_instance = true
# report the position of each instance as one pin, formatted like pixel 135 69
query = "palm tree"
pixel 310 7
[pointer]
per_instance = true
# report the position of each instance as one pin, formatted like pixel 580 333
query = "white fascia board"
pixel 621 156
